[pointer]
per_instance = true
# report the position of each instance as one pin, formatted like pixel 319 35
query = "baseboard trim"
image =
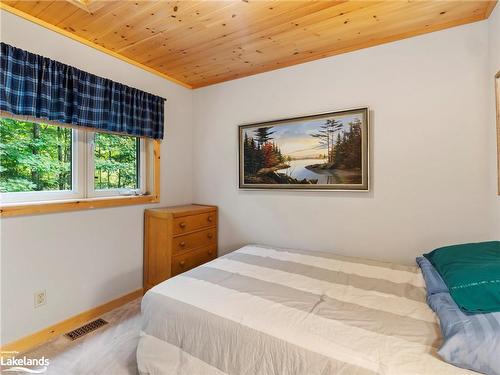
pixel 38 338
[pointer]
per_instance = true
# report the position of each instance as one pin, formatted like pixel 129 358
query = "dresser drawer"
pixel 184 262
pixel 190 223
pixel 182 244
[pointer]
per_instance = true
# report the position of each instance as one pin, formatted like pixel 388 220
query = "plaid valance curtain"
pixel 33 85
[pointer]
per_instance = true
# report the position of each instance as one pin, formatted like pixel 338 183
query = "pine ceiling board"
pixel 187 21
pixel 89 6
pixel 87 24
pixel 144 24
pixel 92 25
pixel 312 41
pixel 204 42
pixel 142 46
pixel 122 28
pixel 218 78
pixel 261 30
pixel 59 12
pixel 75 18
pixel 347 47
pixel 81 18
pixel 176 50
pixel 489 8
pixel 273 24
pixel 327 34
pixel 13 3
pixel 257 58
pixel 172 20
pixel 32 7
pixel 264 44
pixel 238 43
pixel 120 15
pixel 375 32
pixel 205 28
pixel 286 43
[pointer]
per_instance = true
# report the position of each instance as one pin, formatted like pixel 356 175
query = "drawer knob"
pixel 182 263
pixel 209 252
pixel 209 218
pixel 210 235
pixel 182 244
pixel 182 225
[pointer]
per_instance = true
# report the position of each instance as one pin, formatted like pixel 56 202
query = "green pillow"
pixel 472 274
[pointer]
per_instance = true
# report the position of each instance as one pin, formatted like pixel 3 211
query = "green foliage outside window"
pixel 116 162
pixel 34 157
pixel 38 157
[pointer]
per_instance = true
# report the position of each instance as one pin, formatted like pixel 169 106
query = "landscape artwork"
pixel 327 151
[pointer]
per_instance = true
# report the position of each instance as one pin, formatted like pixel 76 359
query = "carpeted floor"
pixel 110 350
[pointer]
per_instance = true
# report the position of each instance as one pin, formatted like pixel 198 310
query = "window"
pixel 116 165
pixel 35 157
pixel 36 161
pixel 47 162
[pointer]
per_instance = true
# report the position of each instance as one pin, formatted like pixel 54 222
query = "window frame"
pixel 99 193
pixel 51 195
pixel 82 195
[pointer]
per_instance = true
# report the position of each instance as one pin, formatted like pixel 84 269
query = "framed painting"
pixel 326 151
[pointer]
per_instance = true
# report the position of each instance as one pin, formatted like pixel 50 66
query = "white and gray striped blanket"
pixel 262 310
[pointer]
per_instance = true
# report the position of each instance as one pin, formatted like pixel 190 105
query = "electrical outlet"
pixel 40 298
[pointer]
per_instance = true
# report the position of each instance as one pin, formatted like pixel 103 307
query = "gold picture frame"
pixel 327 151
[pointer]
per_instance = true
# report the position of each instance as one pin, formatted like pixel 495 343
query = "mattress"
pixel 263 310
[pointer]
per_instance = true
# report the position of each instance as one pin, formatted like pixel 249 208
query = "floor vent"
pixel 87 328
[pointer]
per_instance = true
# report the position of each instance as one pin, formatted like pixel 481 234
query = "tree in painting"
pixel 262 156
pixel 263 135
pixel 326 136
pixel 344 163
pixel 347 150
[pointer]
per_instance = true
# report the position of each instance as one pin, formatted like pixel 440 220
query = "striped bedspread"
pixel 262 310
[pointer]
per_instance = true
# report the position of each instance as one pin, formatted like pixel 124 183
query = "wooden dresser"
pixel 177 239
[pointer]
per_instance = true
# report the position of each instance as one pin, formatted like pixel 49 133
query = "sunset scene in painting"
pixel 315 151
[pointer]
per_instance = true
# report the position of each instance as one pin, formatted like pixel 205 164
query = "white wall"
pixel 493 68
pixel 430 130
pixel 85 258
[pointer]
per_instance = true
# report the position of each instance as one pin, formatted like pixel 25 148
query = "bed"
pixel 263 310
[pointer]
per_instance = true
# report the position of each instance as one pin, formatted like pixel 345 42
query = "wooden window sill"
pixel 16 209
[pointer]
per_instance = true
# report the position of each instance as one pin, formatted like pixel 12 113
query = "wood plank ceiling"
pixel 200 43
